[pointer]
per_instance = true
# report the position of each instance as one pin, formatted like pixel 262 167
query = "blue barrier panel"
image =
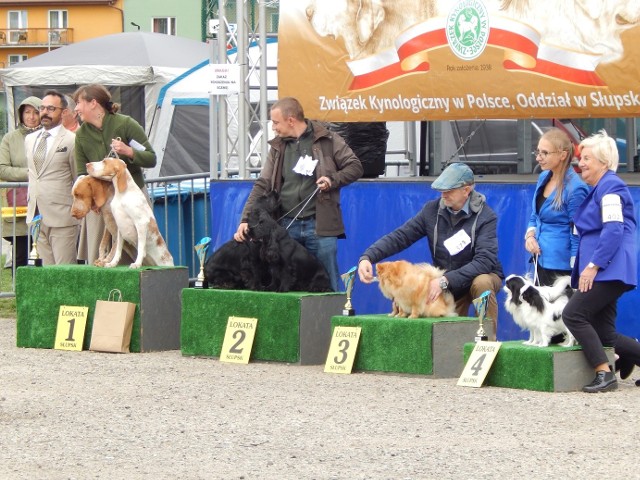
pixel 179 220
pixel 373 208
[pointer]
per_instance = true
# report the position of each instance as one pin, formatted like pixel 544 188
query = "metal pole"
pixel 264 120
pixel 214 157
pixel 223 127
pixel 241 15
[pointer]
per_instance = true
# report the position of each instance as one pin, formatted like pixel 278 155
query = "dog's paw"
pixel 99 263
pixel 135 265
pixel 110 265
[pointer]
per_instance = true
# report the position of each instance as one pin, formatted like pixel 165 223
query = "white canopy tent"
pixel 134 59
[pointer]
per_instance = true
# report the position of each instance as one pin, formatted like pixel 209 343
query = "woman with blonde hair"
pixel 559 192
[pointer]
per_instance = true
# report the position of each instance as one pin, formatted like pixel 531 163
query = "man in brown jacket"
pixel 304 157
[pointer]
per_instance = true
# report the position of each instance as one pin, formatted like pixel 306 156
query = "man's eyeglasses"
pixel 49 108
pixel 543 153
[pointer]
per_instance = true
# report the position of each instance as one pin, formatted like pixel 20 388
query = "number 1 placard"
pixel 342 351
pixel 71 325
pixel 479 364
pixel 238 340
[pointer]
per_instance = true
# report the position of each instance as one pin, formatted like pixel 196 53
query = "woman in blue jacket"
pixel 606 262
pixel 558 194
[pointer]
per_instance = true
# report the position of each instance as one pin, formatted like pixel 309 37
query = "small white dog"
pixel 539 309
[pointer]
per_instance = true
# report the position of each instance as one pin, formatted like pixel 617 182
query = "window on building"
pixel 13 59
pixel 17 21
pixel 57 25
pixel 165 25
pixel 58 19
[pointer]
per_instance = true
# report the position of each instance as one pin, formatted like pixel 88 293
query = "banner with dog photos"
pixel 379 60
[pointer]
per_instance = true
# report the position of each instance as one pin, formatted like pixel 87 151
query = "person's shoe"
pixel 604 382
pixel 625 367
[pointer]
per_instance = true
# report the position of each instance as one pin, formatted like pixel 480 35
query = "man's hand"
pixel 323 183
pixel 434 290
pixel 241 233
pixel 365 271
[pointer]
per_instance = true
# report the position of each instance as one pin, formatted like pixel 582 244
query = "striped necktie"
pixel 41 151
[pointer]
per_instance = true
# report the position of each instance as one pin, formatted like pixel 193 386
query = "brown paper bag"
pixel 112 324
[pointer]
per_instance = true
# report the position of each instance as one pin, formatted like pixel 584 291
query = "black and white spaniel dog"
pixel 539 309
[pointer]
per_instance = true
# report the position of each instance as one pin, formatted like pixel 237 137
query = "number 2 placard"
pixel 238 340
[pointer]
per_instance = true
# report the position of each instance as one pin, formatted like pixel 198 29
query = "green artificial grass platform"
pixel 403 345
pixel 293 327
pixel 548 369
pixel 40 291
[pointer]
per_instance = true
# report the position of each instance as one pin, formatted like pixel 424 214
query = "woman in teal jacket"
pixel 558 194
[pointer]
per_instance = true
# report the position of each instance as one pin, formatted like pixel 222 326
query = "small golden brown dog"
pixel 407 285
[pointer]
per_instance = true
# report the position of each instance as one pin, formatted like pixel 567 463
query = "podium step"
pixel 41 290
pixel 427 346
pixel 293 327
pixel 547 369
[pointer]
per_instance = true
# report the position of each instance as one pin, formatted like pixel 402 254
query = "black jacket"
pixel 434 222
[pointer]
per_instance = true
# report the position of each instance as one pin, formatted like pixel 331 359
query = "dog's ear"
pixel 369 16
pixel 99 191
pixel 120 169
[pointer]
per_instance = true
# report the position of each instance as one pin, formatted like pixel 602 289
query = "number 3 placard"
pixel 342 351
pixel 238 340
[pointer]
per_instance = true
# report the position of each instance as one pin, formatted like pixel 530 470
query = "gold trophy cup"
pixel 347 279
pixel 34 259
pixel 201 251
pixel 480 305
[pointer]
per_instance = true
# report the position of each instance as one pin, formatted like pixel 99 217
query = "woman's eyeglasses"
pixel 543 153
pixel 49 108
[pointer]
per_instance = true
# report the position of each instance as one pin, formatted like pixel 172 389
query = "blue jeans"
pixel 324 249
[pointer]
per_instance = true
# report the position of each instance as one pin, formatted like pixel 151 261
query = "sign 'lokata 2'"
pixel 382 60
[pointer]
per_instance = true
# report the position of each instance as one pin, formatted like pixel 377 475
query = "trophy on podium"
pixel 201 251
pixel 34 260
pixel 347 279
pixel 480 305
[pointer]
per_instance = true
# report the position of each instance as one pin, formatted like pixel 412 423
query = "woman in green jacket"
pixel 13 168
pixel 104 131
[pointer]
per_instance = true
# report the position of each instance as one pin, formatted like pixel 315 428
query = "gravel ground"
pixel 84 415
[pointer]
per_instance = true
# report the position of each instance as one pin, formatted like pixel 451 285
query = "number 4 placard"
pixel 71 325
pixel 342 351
pixel 238 340
pixel 479 364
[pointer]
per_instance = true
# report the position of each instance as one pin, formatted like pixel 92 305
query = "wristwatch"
pixel 444 284
pixel 589 265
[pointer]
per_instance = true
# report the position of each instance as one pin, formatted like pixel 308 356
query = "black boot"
pixel 625 366
pixel 604 382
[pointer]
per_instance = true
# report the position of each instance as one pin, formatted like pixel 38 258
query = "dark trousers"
pixel 546 277
pixel 22 250
pixel 591 318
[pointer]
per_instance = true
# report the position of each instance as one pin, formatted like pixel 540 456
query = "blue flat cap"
pixel 455 175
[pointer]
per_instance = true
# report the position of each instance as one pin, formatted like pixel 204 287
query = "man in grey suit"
pixel 52 171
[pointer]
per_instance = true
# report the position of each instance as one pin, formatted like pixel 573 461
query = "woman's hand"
pixel 587 277
pixel 531 245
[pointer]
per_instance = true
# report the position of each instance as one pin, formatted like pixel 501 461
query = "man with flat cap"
pixel 461 231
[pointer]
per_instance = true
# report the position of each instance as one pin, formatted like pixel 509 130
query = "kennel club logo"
pixel 468 29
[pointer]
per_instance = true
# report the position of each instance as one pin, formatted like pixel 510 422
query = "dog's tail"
pixel 558 289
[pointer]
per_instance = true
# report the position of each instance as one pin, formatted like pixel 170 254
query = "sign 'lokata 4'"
pixel 383 60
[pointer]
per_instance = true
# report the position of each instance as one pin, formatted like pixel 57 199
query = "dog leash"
pixel 306 202
pixel 536 280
